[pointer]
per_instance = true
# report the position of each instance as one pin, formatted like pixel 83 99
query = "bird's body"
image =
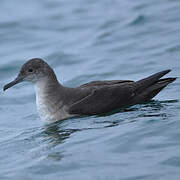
pixel 56 102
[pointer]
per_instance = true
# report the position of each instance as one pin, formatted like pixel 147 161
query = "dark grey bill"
pixel 16 81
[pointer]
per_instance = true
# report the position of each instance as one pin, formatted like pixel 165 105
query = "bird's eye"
pixel 30 70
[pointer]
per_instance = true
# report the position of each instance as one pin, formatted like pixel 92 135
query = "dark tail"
pixel 145 83
pixel 149 87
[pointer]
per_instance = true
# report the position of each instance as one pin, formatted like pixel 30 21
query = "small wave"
pixel 138 20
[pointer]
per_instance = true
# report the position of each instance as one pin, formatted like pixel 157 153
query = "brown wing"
pixel 105 96
pixel 104 99
pixel 104 83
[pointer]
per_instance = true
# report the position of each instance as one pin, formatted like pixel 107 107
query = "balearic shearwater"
pixel 56 102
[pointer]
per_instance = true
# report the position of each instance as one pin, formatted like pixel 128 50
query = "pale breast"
pixel 49 110
pixel 49 113
pixel 42 108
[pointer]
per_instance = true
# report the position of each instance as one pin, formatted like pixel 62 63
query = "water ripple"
pixel 88 40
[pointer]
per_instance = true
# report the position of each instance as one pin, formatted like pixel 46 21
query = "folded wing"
pixel 104 98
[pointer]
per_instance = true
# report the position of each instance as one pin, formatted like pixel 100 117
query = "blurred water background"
pixel 87 40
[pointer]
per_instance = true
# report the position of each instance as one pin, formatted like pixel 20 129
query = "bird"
pixel 56 102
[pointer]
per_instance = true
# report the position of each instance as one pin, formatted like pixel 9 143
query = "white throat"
pixel 41 101
pixel 40 88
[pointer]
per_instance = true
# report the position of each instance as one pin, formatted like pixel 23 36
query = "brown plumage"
pixel 56 102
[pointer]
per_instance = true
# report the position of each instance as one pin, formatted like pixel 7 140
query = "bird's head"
pixel 32 71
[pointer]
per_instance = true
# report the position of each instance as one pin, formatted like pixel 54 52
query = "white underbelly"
pixel 48 113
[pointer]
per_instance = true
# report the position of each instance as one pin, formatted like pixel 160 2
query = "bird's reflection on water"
pixel 56 134
pixel 52 136
pixel 131 114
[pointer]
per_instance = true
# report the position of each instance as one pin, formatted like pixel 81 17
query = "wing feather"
pixel 104 99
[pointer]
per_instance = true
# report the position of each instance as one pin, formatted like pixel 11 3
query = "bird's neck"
pixel 45 86
pixel 47 90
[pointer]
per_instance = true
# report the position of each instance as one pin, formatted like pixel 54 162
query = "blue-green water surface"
pixel 87 40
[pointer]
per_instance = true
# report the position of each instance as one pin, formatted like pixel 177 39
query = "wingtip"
pixel 168 70
pixel 173 79
pixel 164 72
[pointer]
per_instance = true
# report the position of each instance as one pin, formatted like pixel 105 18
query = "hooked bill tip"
pixel 16 81
pixel 4 88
